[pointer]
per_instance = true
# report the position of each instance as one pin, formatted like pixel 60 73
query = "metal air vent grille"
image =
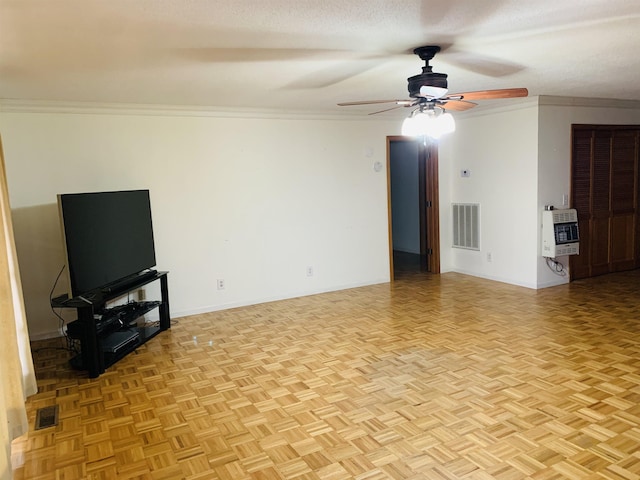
pixel 466 225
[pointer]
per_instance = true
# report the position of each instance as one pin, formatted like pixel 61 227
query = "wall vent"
pixel 46 417
pixel 466 225
pixel 565 216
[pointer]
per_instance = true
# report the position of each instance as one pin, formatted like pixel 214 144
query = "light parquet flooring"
pixel 432 377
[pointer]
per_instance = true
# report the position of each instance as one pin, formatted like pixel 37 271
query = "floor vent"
pixel 47 417
pixel 466 225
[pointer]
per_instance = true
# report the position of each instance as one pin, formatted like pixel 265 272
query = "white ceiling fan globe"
pixel 433 92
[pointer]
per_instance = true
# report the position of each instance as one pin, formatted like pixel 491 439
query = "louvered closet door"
pixel 600 207
pixel 581 199
pixel 605 181
pixel 623 200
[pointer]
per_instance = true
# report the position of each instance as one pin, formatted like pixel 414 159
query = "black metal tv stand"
pixel 107 335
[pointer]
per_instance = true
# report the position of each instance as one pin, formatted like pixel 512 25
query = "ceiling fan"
pixel 429 90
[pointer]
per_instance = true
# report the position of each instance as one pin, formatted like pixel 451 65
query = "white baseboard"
pixel 154 315
pixel 306 293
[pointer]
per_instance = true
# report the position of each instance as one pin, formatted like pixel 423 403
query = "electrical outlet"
pixel 142 295
pixel 309 271
pixel 220 284
pixel 489 258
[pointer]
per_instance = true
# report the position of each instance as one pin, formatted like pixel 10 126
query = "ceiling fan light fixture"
pixel 409 127
pixel 430 89
pixel 445 124
pixel 428 121
pixel 433 92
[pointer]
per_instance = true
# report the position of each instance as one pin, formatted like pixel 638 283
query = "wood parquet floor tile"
pixel 431 377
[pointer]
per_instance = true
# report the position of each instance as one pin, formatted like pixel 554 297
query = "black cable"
pixel 71 344
pixel 557 268
pixel 55 283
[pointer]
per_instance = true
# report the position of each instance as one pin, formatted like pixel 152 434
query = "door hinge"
pixel 429 251
pixel 429 203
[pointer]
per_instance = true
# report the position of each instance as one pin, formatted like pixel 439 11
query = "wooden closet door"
pixel 623 200
pixel 582 152
pixel 604 189
pixel 600 215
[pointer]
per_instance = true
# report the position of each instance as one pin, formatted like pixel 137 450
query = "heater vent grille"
pixel 46 417
pixel 565 216
pixel 466 225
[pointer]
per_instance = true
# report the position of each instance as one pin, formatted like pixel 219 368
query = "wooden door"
pixel 581 176
pixel 604 190
pixel 624 192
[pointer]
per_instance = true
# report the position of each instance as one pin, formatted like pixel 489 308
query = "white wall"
pixel 500 150
pixel 255 199
pixel 251 200
pixel 556 115
pixel 520 161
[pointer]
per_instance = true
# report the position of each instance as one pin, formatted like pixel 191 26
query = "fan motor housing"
pixel 430 79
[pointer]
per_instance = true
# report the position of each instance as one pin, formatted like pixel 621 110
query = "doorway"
pixel 412 195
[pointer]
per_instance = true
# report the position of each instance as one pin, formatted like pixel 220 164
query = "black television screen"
pixel 108 236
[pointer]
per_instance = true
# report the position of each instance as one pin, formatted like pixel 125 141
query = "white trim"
pixel 226 306
pixel 44 106
pixel 509 281
pixel 492 107
pixel 552 283
pixel 548 100
pixel 484 108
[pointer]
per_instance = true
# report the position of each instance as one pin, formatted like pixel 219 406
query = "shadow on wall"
pixel 40 258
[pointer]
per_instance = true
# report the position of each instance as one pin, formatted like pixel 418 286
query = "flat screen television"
pixel 108 238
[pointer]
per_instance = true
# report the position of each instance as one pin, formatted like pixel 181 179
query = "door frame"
pixel 429 204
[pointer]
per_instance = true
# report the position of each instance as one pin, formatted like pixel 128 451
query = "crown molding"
pixel 499 106
pixel 97 108
pixel 548 100
pixel 496 106
pixel 90 108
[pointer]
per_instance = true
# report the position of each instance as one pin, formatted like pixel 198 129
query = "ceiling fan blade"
pixel 346 67
pixel 490 94
pixel 388 109
pixel 488 66
pixel 458 105
pixel 237 55
pixel 371 102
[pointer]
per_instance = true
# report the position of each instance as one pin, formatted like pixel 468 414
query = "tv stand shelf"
pixel 108 334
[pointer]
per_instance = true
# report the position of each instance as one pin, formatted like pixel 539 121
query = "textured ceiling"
pixel 310 54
